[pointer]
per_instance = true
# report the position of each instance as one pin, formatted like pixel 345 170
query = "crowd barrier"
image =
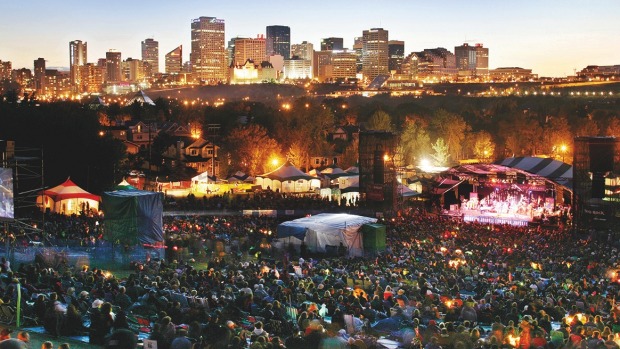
pixel 104 255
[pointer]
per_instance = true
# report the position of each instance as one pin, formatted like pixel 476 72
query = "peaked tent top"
pixel 124 185
pixel 287 172
pixel 69 190
pixel 141 97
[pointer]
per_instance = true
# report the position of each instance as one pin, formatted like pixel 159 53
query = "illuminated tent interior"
pixel 68 198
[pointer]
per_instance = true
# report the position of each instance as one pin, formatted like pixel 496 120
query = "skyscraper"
pixel 77 58
pixel 472 60
pixel 482 60
pixel 230 52
pixel 396 52
pixel 150 54
pixel 344 65
pixel 304 50
pixel 374 53
pixel 332 44
pixel 358 47
pixel 133 70
pixel 113 62
pixel 6 68
pixel 279 41
pixel 252 49
pixel 174 60
pixel 208 55
pixel 92 77
pixel 39 76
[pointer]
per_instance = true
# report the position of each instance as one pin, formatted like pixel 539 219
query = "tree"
pixel 350 156
pixel 522 135
pixel 441 154
pixel 380 121
pixel 613 127
pixel 558 133
pixel 298 154
pixel 249 148
pixel 586 127
pixel 415 141
pixel 484 146
pixel 451 127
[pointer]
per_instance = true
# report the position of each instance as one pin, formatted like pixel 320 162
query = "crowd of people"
pixel 440 283
pixel 264 199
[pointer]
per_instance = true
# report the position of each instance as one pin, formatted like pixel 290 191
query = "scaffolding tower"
pixel 596 183
pixel 377 168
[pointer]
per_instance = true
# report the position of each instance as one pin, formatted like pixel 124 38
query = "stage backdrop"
pixel 133 217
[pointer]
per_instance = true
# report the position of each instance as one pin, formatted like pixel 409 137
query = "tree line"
pixel 442 129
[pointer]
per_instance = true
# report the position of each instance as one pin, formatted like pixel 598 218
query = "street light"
pixel 563 149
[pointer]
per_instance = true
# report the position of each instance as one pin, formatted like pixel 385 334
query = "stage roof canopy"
pixel 553 170
pixel 544 169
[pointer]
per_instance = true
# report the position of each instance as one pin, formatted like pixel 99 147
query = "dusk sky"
pixel 552 37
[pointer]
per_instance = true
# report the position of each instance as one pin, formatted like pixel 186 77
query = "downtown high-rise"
pixel 472 60
pixel 150 55
pixel 39 76
pixel 249 49
pixel 278 41
pixel 332 44
pixel 77 58
pixel 114 72
pixel 374 53
pixel 174 60
pixel 396 53
pixel 208 54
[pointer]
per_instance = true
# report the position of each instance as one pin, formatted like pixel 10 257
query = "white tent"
pixel 325 231
pixel 204 182
pixel 240 177
pixel 288 179
pixel 349 188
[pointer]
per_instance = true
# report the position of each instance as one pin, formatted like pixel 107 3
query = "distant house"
pixel 176 130
pixel 117 132
pixel 141 133
pixel 345 133
pixel 339 133
pixel 318 161
pixel 200 155
pixel 131 148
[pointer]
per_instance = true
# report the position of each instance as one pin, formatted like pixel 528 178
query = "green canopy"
pixel 373 236
pixel 133 216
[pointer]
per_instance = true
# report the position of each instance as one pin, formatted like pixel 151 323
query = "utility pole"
pixel 213 130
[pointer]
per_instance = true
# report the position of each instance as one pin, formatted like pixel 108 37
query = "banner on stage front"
pixel 260 213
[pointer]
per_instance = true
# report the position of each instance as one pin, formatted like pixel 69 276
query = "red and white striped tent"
pixel 68 198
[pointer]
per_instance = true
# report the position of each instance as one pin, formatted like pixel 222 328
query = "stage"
pixel 490 217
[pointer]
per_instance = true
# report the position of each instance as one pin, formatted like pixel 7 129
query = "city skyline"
pixel 553 37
